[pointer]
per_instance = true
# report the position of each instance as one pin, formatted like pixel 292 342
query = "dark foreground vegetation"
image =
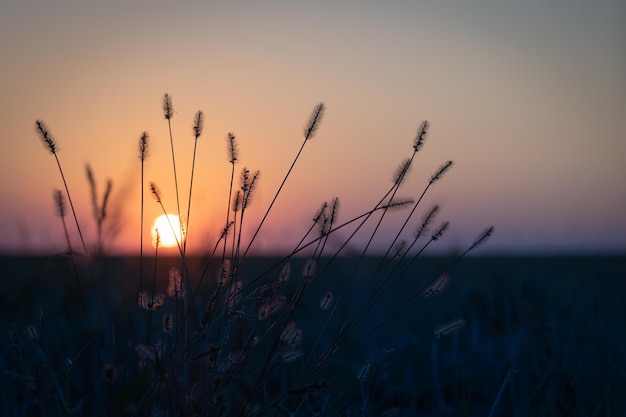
pixel 542 336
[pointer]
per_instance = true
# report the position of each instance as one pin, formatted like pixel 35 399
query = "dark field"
pixel 555 325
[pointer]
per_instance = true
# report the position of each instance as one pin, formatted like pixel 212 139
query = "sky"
pixel 527 98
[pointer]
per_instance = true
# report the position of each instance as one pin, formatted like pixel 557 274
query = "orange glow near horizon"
pixel 168 227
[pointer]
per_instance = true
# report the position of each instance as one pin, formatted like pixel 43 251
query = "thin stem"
pixel 169 125
pixel 141 230
pixel 69 198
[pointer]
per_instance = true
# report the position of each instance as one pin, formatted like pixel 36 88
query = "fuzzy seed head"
pixel 287 332
pixel 105 199
pixel 248 187
pixel 198 124
pixel 175 288
pixel 46 136
pixel 326 301
pixel 309 269
pixel 145 353
pixel 319 214
pixel 285 273
pixel 426 221
pixel 292 337
pixel 440 231
pixel 314 121
pixel 398 203
pixel 449 328
pixel 272 307
pixel 334 210
pixel 236 206
pixel 442 170
pixel 232 147
pixel 143 145
pixel 291 356
pixel 482 238
pixel 168 323
pixel 168 109
pixel 59 202
pixel 400 174
pixel 437 286
pixel 155 192
pixel 398 250
pixel 225 230
pixel 364 372
pixel 421 135
pixel 148 303
pixel 235 294
pixel 224 275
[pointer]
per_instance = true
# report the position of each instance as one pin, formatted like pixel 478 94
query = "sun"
pixel 168 226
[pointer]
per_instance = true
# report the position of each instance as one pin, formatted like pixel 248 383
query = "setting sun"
pixel 169 229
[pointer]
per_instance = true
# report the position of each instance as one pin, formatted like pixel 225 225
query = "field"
pixel 543 336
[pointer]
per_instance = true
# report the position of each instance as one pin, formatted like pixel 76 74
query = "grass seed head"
pixel 144 141
pixel 287 332
pixel 148 303
pixel 155 192
pixel 168 323
pixel 400 174
pixel 225 271
pixel 441 171
pixel 291 356
pixel 46 137
pixel 59 202
pixel 168 109
pixel 292 338
pixel 314 121
pixel 421 135
pixel 426 221
pixel 484 235
pixel 232 147
pixel 449 328
pixel 285 273
pixel 176 287
pixel 440 231
pixel 438 285
pixel 198 124
pixel 398 250
pixel 309 269
pixel 326 301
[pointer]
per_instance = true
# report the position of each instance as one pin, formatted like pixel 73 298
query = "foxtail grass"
pixel 51 145
pixel 144 146
pixel 99 209
pixel 249 344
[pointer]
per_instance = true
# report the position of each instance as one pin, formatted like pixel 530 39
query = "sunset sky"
pixel 528 98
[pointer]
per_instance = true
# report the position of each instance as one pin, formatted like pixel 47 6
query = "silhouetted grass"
pixel 229 335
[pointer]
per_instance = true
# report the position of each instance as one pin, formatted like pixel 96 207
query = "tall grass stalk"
pixel 143 154
pixel 233 152
pixel 245 343
pixel 168 113
pixel 50 143
pixel 198 125
pixel 309 131
pixel 99 209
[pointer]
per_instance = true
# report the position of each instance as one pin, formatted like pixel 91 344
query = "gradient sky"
pixel 528 98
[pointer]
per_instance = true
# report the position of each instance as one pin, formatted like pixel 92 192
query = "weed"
pixel 250 341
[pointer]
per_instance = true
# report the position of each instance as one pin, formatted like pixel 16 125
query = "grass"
pixel 507 302
pixel 222 338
